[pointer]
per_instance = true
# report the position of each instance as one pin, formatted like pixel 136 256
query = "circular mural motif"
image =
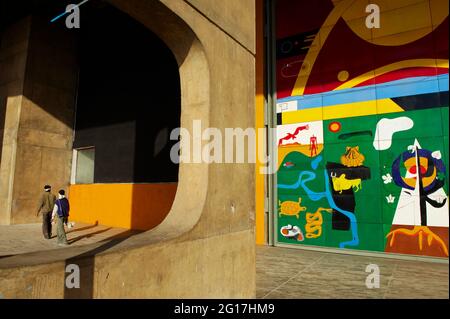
pixel 334 127
pixel 409 165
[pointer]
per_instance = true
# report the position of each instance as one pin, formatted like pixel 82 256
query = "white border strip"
pixel 365 253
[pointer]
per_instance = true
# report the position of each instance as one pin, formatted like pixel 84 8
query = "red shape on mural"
pixel 292 136
pixel 413 169
pixel 313 145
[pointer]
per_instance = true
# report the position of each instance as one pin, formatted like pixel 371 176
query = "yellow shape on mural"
pixel 426 180
pixel 341 183
pixel 352 157
pixel 305 115
pixel 388 106
pixel 414 63
pixel 284 150
pixel 314 223
pixel 417 20
pixel 319 41
pixel 290 208
pixel 341 111
pixel 401 21
pixel 350 110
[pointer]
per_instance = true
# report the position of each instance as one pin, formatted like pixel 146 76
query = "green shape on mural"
pixel 376 201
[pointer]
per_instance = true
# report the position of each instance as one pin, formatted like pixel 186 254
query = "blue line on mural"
pixel 327 194
pixel 64 13
pixel 350 215
pixel 389 90
pixel 315 163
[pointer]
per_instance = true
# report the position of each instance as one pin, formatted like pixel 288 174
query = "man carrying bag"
pixel 61 212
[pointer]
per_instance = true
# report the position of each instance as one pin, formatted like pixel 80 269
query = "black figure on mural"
pixel 46 204
pixel 61 214
pixel 343 184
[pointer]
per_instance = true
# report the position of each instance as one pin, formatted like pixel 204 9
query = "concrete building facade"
pixel 204 246
pixel 359 114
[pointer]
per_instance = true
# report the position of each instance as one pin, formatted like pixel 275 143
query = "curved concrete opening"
pixel 195 105
pixel 127 105
pixel 175 193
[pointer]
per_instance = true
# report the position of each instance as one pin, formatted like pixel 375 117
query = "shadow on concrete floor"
pixel 22 239
pixel 90 235
pixel 82 228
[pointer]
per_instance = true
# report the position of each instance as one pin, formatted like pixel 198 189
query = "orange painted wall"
pixel 131 206
pixel 259 183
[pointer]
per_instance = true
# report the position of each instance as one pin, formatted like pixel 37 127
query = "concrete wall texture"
pixel 13 58
pixel 204 248
pixel 39 84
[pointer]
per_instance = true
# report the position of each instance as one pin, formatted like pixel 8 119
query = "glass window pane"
pixel 85 166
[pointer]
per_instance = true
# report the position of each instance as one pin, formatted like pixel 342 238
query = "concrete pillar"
pixel 41 78
pixel 14 42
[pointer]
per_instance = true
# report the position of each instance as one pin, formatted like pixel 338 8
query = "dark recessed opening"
pixel 128 99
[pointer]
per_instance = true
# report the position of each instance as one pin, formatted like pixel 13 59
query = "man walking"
pixel 46 204
pixel 61 213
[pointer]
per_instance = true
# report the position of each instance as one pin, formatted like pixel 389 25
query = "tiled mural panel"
pixel 363 125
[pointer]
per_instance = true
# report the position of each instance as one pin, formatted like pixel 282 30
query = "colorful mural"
pixel 363 125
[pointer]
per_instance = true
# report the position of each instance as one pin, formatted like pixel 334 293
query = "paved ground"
pixel 19 239
pixel 296 274
pixel 280 272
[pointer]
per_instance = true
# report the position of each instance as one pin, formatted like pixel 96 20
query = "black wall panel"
pixel 128 99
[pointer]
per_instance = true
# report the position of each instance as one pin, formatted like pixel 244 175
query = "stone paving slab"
pixel 283 273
